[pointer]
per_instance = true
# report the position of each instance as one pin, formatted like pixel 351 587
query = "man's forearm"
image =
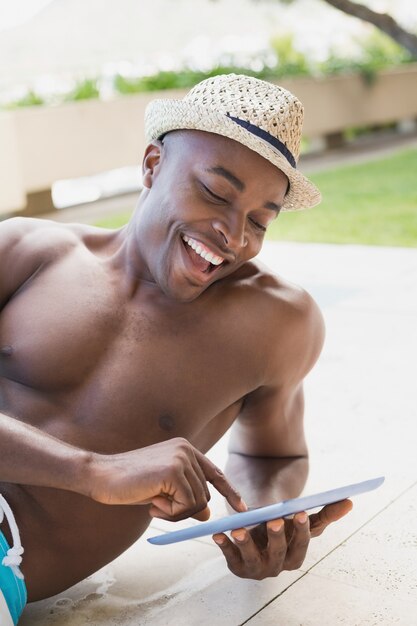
pixel 148 476
pixel 32 457
pixel 263 480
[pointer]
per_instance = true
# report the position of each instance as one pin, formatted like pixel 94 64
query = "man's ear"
pixel 151 161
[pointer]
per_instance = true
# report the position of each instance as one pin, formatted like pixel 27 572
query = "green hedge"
pixel 377 52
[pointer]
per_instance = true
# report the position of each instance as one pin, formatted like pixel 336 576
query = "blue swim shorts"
pixel 13 594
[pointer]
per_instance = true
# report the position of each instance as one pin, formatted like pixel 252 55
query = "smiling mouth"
pixel 202 257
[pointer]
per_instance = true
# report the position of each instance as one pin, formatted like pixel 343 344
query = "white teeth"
pixel 204 253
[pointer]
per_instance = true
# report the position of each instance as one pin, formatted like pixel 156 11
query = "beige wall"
pixel 12 191
pixel 41 145
pixel 340 102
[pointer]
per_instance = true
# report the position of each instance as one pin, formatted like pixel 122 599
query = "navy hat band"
pixel 263 134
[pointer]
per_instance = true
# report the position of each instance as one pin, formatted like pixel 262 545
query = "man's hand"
pixel 281 544
pixel 172 476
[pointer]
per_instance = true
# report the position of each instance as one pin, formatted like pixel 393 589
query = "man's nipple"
pixel 166 422
pixel 6 351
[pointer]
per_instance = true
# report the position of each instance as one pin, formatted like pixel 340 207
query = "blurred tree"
pixel 383 21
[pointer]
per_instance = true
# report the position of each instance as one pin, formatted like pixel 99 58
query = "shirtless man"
pixel 125 355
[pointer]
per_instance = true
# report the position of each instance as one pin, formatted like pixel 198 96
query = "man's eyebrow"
pixel 221 171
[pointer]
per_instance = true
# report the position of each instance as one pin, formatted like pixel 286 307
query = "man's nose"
pixel 232 230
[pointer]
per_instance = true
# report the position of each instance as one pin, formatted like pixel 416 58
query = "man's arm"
pixel 171 476
pixel 267 450
pixel 268 457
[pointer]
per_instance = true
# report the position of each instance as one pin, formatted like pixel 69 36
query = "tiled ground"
pixel 361 422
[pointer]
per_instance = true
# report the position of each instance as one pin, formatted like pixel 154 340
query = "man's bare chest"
pixel 113 376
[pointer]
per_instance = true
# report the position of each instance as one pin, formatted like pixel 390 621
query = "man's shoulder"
pixel 37 231
pixel 271 295
pixel 38 239
pixel 279 320
pixel 27 245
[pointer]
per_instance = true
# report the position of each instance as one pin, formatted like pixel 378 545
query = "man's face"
pixel 207 203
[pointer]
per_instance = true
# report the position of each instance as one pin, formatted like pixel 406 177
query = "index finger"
pixel 202 516
pixel 215 476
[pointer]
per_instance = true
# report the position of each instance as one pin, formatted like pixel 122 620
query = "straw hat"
pixel 262 116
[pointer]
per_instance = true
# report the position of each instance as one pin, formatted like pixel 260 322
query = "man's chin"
pixel 183 287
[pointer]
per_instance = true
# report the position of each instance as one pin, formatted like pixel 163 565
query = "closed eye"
pixel 212 195
pixel 257 225
pixel 220 200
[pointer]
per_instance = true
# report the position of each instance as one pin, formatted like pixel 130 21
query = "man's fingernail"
pixel 276 525
pixel 302 518
pixel 219 540
pixel 239 535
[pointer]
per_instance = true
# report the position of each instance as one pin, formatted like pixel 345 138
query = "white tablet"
pixel 267 513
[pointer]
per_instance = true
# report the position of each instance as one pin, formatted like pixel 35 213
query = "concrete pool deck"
pixel 361 422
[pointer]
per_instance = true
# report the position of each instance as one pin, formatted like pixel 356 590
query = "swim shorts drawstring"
pixel 13 557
